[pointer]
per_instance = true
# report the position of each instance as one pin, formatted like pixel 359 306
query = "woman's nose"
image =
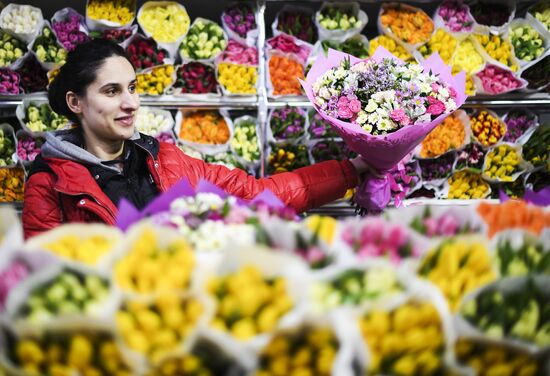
pixel 130 101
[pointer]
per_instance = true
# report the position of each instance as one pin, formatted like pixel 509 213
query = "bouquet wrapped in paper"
pixel 382 108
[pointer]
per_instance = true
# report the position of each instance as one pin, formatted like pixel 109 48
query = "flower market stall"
pixel 445 272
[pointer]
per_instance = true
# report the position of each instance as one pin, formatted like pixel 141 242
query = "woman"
pixel 82 173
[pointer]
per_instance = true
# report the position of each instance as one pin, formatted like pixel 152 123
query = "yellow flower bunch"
pixel 324 226
pixel 306 351
pixel 12 181
pixel 457 267
pixel 466 185
pixel 441 42
pixel 93 354
pixel 157 328
pixel 148 268
pixel 156 81
pixel 502 162
pixel 238 79
pixel 493 359
pixel 470 87
pixel 390 45
pixel 87 250
pixel 498 48
pixel 467 58
pixel 248 303
pixel 119 11
pixel 166 23
pixel 487 128
pixel 406 341
pixel 188 364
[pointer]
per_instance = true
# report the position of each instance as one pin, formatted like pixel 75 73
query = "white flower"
pixel 385 124
pixel 340 73
pixel 324 93
pixel 334 91
pixel 444 93
pixel 373 118
pixel 362 117
pixel 426 118
pixel 319 101
pixel 367 127
pixel 317 85
pixel 450 106
pixel 382 112
pixel 371 106
pixel 425 87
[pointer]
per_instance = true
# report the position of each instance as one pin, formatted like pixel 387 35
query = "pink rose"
pixel 435 87
pixel 343 101
pixel 405 121
pixel 344 113
pixel 397 115
pixel 355 105
pixel 436 107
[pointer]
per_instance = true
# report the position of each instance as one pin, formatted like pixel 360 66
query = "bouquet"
pixel 297 23
pixel 144 53
pixel 195 78
pixel 68 30
pixel 382 107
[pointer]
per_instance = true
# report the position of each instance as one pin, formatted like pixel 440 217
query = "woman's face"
pixel 108 108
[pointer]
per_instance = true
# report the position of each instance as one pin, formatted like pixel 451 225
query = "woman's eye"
pixel 132 88
pixel 111 92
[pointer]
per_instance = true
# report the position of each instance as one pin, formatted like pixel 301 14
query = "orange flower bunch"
pixel 204 127
pixel 513 214
pixel 408 25
pixel 448 135
pixel 12 181
pixel 284 74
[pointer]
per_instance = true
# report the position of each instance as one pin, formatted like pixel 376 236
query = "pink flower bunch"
pixel 348 106
pixel 287 44
pixel 496 80
pixel 240 54
pixel 446 225
pixel 10 277
pixel 9 82
pixel 69 33
pixel 378 238
pixel 456 16
pixel 28 148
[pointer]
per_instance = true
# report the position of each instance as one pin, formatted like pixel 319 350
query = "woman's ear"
pixel 73 102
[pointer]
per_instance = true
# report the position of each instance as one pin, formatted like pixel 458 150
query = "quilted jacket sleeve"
pixel 41 210
pixel 302 189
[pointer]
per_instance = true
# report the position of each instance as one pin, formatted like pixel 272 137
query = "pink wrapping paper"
pixel 385 151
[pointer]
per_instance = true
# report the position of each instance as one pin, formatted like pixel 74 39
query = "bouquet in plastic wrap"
pixel 382 108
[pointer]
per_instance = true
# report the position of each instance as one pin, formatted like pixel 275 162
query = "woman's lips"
pixel 126 120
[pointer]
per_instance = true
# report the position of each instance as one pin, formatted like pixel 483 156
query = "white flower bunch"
pixel 152 123
pixel 21 19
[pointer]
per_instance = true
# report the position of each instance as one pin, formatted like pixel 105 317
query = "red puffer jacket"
pixel 71 185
